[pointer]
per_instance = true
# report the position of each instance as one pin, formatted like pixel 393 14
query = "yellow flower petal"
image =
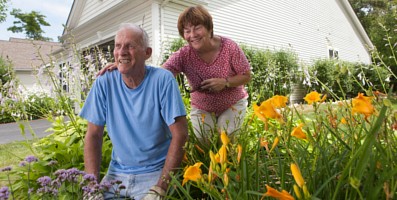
pixel 192 173
pixel 271 192
pixel 222 154
pixel 312 97
pixel 239 152
pixel 275 143
pixel 298 132
pixel 363 105
pixel 297 175
pixel 279 101
pixel 225 140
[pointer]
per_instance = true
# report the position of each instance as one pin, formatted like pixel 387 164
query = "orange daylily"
pixel 192 173
pixel 363 105
pixel 266 110
pixel 222 154
pixel 239 152
pixel 283 195
pixel 298 132
pixel 296 173
pixel 224 138
pixel 275 143
pixel 312 97
pixel 279 101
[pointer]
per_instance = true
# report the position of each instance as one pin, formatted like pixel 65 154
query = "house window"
pixel 333 53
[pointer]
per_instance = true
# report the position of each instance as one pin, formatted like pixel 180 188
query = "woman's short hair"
pixel 195 15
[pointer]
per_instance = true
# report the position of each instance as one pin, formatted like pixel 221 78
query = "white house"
pixel 311 28
pixel 27 56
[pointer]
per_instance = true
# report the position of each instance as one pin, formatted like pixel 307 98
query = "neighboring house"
pixel 312 29
pixel 26 57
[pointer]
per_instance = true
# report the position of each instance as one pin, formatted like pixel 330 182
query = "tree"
pixel 30 23
pixel 379 20
pixel 3 9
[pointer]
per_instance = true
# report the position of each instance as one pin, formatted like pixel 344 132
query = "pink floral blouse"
pixel 230 62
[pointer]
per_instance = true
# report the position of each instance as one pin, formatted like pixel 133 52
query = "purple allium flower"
pixel 31 159
pixel 89 177
pixel 6 169
pixel 44 181
pixel 52 163
pixel 22 164
pixel 4 193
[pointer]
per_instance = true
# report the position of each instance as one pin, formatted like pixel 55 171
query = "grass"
pixel 12 153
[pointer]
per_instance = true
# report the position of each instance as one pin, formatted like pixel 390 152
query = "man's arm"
pixel 93 149
pixel 175 153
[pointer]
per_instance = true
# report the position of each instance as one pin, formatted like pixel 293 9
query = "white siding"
pixel 93 8
pixel 103 27
pixel 306 27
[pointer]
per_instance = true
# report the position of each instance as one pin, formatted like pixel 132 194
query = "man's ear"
pixel 148 52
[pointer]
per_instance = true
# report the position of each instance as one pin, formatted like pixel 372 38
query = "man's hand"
pixel 155 193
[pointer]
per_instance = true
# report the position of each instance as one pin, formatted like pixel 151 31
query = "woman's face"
pixel 196 36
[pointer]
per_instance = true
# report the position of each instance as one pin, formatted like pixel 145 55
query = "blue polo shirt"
pixel 137 119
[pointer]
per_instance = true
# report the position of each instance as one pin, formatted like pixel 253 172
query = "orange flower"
pixel 239 152
pixel 297 175
pixel 283 195
pixel 279 101
pixel 312 97
pixel 222 154
pixel 225 140
pixel 266 110
pixel 275 143
pixel 363 105
pixel 192 173
pixel 298 132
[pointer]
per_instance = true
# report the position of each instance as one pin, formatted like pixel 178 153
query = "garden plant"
pixel 340 143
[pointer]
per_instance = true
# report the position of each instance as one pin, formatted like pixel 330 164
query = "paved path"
pixel 11 131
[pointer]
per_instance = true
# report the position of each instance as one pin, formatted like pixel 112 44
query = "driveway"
pixel 12 132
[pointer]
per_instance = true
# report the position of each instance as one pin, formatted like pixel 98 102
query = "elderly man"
pixel 145 117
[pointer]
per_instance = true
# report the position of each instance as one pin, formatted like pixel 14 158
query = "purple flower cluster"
pixel 5 169
pixel 47 186
pixel 4 193
pixel 31 159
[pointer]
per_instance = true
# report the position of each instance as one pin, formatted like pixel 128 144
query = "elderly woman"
pixel 216 69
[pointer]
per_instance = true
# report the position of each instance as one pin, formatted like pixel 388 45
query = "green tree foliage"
pixel 30 23
pixel 379 20
pixel 3 9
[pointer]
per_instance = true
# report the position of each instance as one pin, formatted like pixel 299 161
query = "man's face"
pixel 128 51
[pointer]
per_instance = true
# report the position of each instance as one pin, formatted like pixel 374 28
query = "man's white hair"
pixel 136 28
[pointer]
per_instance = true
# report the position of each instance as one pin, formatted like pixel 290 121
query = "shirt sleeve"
pixel 240 63
pixel 171 101
pixel 174 63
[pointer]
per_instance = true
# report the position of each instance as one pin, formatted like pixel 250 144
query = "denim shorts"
pixel 136 185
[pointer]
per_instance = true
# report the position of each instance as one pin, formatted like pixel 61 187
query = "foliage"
pixel 30 23
pixel 379 21
pixel 3 9
pixel 345 79
pixel 273 72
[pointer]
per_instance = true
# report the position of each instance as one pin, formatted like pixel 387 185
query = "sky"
pixel 56 12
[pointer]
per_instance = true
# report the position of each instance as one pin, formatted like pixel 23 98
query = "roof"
pixel 25 53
